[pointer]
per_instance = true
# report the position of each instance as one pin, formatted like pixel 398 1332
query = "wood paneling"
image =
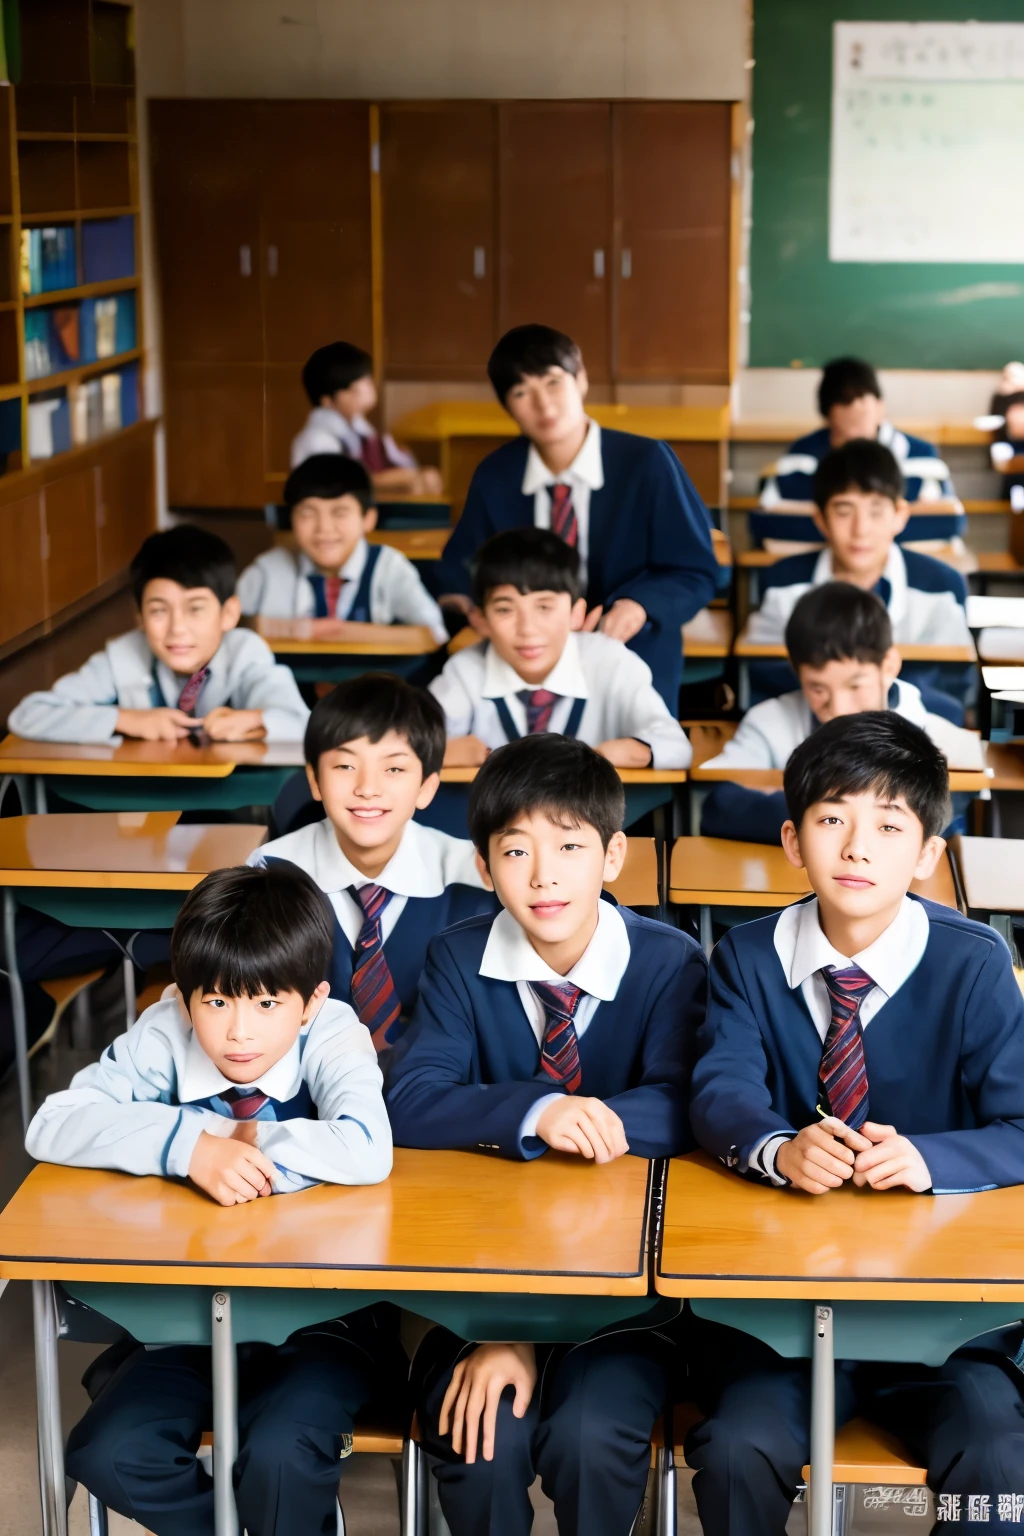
pixel 22 586
pixel 126 510
pixel 555 212
pixel 214 422
pixel 69 512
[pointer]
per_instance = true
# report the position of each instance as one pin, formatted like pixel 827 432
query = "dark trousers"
pixel 586 1433
pixel 135 1448
pixel 963 1420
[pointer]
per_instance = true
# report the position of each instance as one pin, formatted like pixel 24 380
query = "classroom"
pixel 511 796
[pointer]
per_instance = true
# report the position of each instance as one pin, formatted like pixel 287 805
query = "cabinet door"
pixel 69 514
pixel 555 222
pixel 437 184
pixel 672 193
pixel 126 507
pixel 22 581
pixel 214 424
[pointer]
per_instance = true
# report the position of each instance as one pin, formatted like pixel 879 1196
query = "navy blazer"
pixel 923 572
pixel 467 1071
pixel 945 1054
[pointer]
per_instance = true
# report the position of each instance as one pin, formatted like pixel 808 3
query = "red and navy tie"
pixel 326 592
pixel 563 514
pixel 189 695
pixel 244 1103
pixel 539 703
pixel 843 1073
pixel 374 995
pixel 559 1047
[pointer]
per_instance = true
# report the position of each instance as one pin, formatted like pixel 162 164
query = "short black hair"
pixel 529 351
pixel 245 931
pixel 529 559
pixel 838 622
pixel 874 750
pixel 844 380
pixel 551 773
pixel 328 476
pixel 859 465
pixel 339 365
pixel 188 555
pixel 371 705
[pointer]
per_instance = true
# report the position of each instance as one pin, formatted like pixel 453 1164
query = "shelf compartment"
pixel 104 174
pixel 47 175
pixel 45 109
pixel 83 291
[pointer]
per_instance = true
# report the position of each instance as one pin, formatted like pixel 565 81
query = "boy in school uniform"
pixel 625 502
pixel 862 1036
pixel 187 667
pixel 254 1083
pixel 338 379
pixel 538 670
pixel 373 757
pixel 564 1022
pixel 839 640
pixel 335 573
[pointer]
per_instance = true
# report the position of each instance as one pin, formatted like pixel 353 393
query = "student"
pixel 535 671
pixel 259 1085
pixel 373 757
pixel 563 1022
pixel 338 379
pixel 187 665
pixel 335 573
pixel 910 1077
pixel 1009 445
pixel 624 502
pixel 850 400
pixel 839 640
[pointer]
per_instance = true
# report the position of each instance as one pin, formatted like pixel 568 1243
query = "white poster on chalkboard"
pixel 927 142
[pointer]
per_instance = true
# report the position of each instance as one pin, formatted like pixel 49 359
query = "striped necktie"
pixel 563 514
pixel 843 1073
pixel 374 995
pixel 244 1103
pixel 189 695
pixel 326 592
pixel 559 1047
pixel 538 703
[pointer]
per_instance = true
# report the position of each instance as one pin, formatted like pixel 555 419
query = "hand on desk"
pixel 891 1161
pixel 817 1160
pixel 224 724
pixel 155 724
pixel 475 1390
pixel 626 752
pixel 231 1169
pixel 465 752
pixel 585 1126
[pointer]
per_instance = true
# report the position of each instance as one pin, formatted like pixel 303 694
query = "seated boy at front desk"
pixel 335 573
pixel 839 640
pixel 862 1036
pixel 253 1083
pixel 565 1022
pixel 187 666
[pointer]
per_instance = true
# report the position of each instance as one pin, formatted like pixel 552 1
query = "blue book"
pixel 129 394
pixel 60 425
pixel 108 249
pixel 125 323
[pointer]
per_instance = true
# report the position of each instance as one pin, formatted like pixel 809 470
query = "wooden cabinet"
pixel 125 504
pixel 22 580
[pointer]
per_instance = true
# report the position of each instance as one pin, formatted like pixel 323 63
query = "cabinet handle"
pixel 627 262
pixel 599 262
pixel 271 260
pixel 245 260
pixel 479 261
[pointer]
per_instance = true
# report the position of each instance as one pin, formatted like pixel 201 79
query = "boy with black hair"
pixel 255 1083
pixel 188 666
pixel 565 1022
pixel 335 573
pixel 374 748
pixel 624 502
pixel 536 670
pixel 863 1035
pixel 338 379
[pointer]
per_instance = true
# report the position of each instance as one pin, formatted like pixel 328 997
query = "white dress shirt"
pixel 328 431
pixel 277 586
pixel 509 956
pixel 584 474
pixel 803 951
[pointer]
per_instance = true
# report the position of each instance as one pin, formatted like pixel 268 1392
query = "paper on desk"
pixel 963 750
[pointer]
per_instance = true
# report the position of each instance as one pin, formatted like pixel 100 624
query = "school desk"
pixel 992 874
pixel 709 872
pixel 489 1247
pixel 413 543
pixel 127 870
pixel 852 1275
pixel 330 650
pixel 995 612
pixel 1000 685
pixel 648 791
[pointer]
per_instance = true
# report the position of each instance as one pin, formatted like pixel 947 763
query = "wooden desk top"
pixel 956 653
pixel 991 869
pixel 344 637
pixel 486 418
pixel 995 612
pixel 722 1236
pixel 451 1221
pixel 627 775
pixel 146 759
pixel 1005 765
pixel 721 546
pixel 708 738
pixel 413 543
pixel 637 885
pixel 708 634
pixel 124 850
pixel 950 434
pixel 717 872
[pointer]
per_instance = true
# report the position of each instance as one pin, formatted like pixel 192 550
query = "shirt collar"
pixel 352 570
pixel 202 1079
pixel 803 949
pixel 171 683
pixel 895 573
pixel 587 467
pixel 509 955
pixel 501 680
pixel 416 868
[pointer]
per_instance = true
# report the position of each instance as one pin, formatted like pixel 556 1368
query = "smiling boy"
pixel 862 1036
pixel 565 1022
pixel 186 666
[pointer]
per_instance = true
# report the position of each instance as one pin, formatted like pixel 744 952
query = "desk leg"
pixel 50 1434
pixel 744 686
pixel 225 1416
pixel 707 941
pixel 698 794
pixel 39 785
pixel 18 1016
pixel 823 1423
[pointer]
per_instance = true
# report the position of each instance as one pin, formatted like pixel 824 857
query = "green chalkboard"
pixel 806 308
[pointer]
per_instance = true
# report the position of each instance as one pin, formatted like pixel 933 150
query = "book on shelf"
pixel 67 335
pixel 108 249
pixel 96 408
pixel 48 260
pixel 49 427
